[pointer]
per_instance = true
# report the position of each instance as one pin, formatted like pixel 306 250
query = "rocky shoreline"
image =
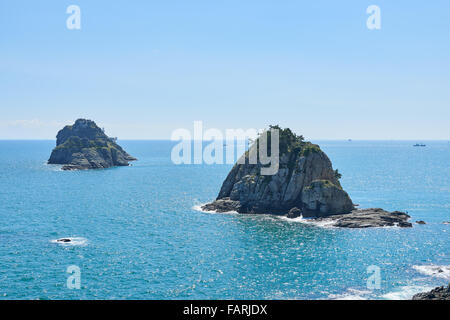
pixel 439 293
pixel 369 218
pixel 358 218
pixel 85 146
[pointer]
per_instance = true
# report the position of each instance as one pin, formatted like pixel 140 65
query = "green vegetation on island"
pixel 84 145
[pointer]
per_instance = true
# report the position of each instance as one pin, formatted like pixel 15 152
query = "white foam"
pixel 298 219
pixel 53 167
pixel 322 223
pixel 345 297
pixel 325 223
pixel 198 207
pixel 328 223
pixel 400 293
pixel 74 241
pixel 405 293
pixel 434 270
pixel 351 294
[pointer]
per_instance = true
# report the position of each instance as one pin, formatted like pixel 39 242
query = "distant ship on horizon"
pixel 419 145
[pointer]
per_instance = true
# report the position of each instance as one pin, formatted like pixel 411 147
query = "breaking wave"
pixel 434 270
pixel 351 294
pixel 198 207
pixel 405 293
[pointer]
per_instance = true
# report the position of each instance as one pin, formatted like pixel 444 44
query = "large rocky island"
pixel 84 145
pixel 305 185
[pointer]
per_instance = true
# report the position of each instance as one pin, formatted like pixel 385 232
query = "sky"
pixel 142 69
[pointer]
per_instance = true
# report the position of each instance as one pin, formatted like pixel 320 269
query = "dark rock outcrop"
pixel 294 213
pixel 369 218
pixel 305 179
pixel 304 185
pixel 420 222
pixel 223 205
pixel 439 293
pixel 85 146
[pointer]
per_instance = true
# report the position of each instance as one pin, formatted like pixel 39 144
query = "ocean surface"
pixel 138 233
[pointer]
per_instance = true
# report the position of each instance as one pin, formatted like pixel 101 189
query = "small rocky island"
pixel 84 145
pixel 305 185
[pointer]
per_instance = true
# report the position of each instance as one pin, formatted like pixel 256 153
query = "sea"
pixel 138 232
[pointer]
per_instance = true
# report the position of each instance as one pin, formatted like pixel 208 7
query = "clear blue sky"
pixel 144 68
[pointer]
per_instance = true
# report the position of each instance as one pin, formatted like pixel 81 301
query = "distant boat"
pixel 419 145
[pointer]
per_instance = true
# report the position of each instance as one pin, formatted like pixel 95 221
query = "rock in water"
pixel 305 180
pixel 85 146
pixel 369 218
pixel 294 213
pixel 439 293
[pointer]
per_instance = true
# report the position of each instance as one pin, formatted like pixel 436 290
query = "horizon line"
pixel 312 139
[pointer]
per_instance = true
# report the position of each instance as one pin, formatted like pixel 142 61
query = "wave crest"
pixel 434 270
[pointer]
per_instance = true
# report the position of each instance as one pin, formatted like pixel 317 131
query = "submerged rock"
pixel 85 146
pixel 439 293
pixel 369 218
pixel 305 179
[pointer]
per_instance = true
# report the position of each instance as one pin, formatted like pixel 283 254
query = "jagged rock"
pixel 369 218
pixel 420 222
pixel 439 293
pixel 323 198
pixel 85 146
pixel 294 213
pixel 223 205
pixel 305 179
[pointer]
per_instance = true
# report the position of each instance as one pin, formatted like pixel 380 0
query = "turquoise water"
pixel 139 235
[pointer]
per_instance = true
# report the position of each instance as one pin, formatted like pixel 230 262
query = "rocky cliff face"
pixel 85 146
pixel 305 180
